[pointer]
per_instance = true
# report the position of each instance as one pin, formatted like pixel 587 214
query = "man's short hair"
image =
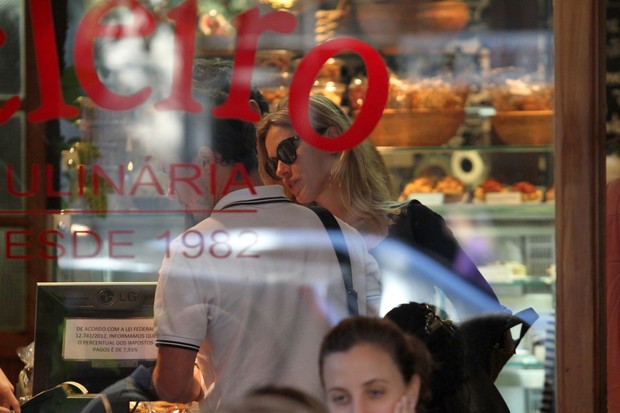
pixel 216 73
pixel 233 140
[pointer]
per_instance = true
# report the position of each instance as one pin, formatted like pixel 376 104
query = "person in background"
pixel 251 289
pixel 613 295
pixel 612 158
pixel 8 401
pixel 370 365
pixel 355 186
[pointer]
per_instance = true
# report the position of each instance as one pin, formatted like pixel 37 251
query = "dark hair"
pixel 408 352
pixel 233 140
pixel 216 73
pixel 290 393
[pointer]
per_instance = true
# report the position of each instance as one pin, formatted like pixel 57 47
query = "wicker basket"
pixel 523 127
pixel 386 22
pixel 443 16
pixel 417 127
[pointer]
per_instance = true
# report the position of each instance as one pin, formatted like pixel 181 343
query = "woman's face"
pixel 308 176
pixel 365 379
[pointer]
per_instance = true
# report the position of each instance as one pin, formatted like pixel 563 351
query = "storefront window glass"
pixel 457 97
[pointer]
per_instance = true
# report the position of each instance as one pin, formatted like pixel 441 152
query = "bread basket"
pixel 417 127
pixel 520 127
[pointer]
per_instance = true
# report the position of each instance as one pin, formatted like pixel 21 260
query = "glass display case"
pixel 511 239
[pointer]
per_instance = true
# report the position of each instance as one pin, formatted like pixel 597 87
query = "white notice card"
pixel 109 339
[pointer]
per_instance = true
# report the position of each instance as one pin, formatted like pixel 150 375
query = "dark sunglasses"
pixel 285 152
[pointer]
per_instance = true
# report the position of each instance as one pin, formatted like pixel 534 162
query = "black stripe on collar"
pixel 270 200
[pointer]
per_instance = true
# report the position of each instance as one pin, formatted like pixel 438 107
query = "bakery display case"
pixel 468 131
pixel 499 202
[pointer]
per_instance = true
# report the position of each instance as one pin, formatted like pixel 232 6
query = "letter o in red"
pixel 370 114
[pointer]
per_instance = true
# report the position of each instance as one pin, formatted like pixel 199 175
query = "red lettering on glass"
pixel 112 243
pixel 99 172
pixel 249 26
pixel 48 68
pixel 10 107
pixel 8 241
pixel 49 181
pixel 59 248
pixel 142 24
pixel 303 79
pixel 81 179
pixel 192 173
pixel 184 34
pixel 152 180
pixel 34 183
pixel 80 234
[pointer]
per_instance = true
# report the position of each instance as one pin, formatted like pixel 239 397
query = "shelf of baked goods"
pixel 495 198
pixel 510 109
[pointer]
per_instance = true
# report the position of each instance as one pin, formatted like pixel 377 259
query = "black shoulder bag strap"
pixel 337 238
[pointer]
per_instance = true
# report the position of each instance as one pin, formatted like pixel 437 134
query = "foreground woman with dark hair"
pixel 370 365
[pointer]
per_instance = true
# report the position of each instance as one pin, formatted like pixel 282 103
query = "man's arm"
pixel 176 378
pixel 7 398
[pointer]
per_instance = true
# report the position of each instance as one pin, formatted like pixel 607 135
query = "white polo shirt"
pixel 259 280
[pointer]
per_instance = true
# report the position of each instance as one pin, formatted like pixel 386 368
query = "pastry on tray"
pixel 489 186
pixel 418 185
pixel 452 188
pixel 529 193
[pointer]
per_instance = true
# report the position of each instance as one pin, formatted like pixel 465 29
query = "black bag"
pixel 468 356
pixel 447 347
pixel 488 347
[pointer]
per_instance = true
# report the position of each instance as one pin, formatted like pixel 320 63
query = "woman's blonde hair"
pixel 365 184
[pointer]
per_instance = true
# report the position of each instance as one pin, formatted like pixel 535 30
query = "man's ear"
pixel 205 156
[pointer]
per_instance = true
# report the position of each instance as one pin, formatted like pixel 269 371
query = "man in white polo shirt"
pixel 249 291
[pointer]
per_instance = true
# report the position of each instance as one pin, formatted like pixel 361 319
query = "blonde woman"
pixel 355 186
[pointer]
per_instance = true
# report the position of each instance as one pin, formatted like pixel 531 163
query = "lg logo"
pixel 107 296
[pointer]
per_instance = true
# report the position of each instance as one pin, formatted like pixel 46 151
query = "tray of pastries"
pixel 492 191
pixel 434 190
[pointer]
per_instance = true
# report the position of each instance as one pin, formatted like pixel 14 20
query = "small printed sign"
pixel 503 198
pixel 109 339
